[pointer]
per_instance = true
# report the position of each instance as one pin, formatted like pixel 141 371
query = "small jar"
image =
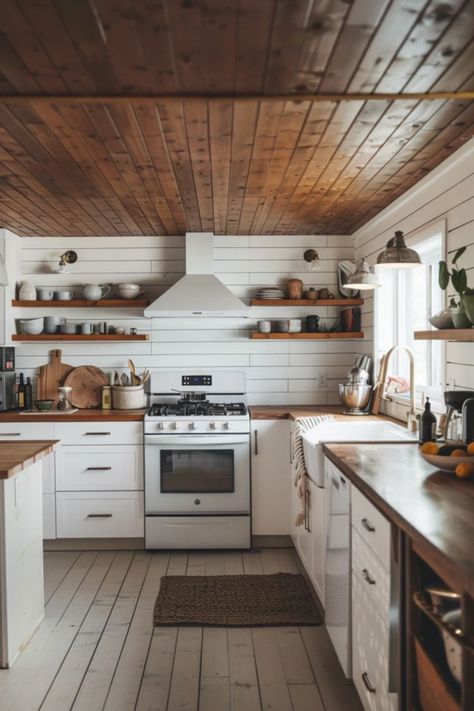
pixel 64 398
pixel 264 326
pixel 312 323
pixel 106 397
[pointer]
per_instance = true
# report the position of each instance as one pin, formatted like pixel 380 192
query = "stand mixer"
pixel 355 394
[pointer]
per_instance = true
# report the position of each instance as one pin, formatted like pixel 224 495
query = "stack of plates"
pixel 270 293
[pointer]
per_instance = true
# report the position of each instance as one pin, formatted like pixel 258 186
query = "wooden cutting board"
pixel 86 383
pixel 51 376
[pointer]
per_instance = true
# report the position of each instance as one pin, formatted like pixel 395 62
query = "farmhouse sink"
pixel 334 431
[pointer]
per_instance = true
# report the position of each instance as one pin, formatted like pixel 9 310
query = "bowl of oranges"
pixel 456 457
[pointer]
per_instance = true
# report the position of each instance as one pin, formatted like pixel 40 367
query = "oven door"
pixel 197 474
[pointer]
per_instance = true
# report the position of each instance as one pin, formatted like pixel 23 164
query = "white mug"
pixel 63 295
pixel 45 294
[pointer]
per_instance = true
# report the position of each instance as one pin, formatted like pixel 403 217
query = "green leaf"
pixel 459 279
pixel 459 253
pixel 443 275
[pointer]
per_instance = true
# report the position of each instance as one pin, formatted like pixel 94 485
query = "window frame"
pixel 421 391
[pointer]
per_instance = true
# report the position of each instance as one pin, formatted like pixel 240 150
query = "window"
pixel 403 304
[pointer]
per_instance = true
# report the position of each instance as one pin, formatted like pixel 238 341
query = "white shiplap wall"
pixel 278 372
pixel 445 194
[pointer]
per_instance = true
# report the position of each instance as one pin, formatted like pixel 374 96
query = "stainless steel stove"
pixel 197 461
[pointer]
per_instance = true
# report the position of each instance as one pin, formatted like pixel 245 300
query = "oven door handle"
pixel 196 440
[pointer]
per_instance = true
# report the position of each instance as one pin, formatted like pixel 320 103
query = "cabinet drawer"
pixel 374 579
pixel 370 652
pixel 99 432
pixel 26 430
pixel 99 468
pixel 99 514
pixel 374 528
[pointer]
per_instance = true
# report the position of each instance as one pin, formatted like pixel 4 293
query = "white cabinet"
pixel 371 536
pixel 270 461
pixel 38 430
pixel 99 480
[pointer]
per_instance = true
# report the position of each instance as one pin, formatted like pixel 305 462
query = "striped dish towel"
pixel 302 424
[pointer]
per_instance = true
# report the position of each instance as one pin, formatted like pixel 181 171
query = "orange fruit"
pixel 470 448
pixel 429 448
pixel 465 470
pixel 458 453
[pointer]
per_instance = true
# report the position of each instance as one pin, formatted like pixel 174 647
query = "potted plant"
pixel 462 310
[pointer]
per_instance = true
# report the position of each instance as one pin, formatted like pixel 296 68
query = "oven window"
pixel 194 471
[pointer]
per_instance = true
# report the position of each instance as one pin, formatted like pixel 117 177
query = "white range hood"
pixel 199 292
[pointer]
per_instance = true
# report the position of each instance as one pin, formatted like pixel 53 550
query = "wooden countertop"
pixel 291 412
pixel 435 508
pixel 79 416
pixel 16 456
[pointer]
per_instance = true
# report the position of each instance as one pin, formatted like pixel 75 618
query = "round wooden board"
pixel 86 383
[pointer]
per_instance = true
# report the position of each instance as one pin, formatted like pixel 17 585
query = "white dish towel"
pixel 302 424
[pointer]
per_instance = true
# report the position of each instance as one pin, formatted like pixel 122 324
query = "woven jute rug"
pixel 282 599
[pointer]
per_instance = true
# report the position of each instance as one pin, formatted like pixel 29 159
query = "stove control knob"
pixel 213 425
pixel 225 426
pixel 174 425
pixel 192 425
pixel 161 425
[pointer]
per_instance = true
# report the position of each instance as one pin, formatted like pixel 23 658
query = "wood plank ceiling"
pixel 227 165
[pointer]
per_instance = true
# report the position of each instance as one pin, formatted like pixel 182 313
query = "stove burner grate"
pixel 197 409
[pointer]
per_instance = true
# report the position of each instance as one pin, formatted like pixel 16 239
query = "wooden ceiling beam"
pixel 62 100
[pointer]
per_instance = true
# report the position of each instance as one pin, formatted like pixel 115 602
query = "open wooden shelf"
pixel 306 302
pixel 302 336
pixel 79 337
pixel 83 303
pixel 448 334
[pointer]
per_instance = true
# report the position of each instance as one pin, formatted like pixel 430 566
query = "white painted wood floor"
pixel 97 647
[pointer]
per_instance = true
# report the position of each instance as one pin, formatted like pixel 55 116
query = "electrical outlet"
pixel 323 380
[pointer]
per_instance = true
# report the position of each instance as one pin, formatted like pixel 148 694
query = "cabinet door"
pixel 270 477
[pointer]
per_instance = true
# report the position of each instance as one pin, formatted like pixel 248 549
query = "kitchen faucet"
pixel 411 415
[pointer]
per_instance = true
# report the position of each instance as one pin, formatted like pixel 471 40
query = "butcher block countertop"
pixel 16 456
pixel 435 508
pixel 91 415
pixel 291 412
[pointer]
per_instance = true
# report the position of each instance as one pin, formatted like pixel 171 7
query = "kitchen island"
pixel 429 517
pixel 21 545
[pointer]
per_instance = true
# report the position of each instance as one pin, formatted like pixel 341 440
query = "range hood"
pixel 199 292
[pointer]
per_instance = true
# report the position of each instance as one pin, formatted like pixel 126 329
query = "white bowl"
pixel 445 462
pixel 125 294
pixel 128 291
pixel 31 326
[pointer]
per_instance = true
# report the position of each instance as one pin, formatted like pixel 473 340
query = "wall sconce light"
pixel 312 258
pixel 69 257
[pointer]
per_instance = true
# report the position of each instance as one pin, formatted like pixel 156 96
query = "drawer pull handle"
pixel 99 516
pixel 335 483
pixel 96 434
pixel 368 577
pixel 98 469
pixel 367 684
pixel 255 440
pixel 367 525
pixel 10 434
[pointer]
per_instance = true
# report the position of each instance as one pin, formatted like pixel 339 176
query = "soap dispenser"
pixel 468 420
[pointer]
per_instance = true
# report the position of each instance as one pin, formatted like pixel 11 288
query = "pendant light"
pixel 362 278
pixel 396 254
